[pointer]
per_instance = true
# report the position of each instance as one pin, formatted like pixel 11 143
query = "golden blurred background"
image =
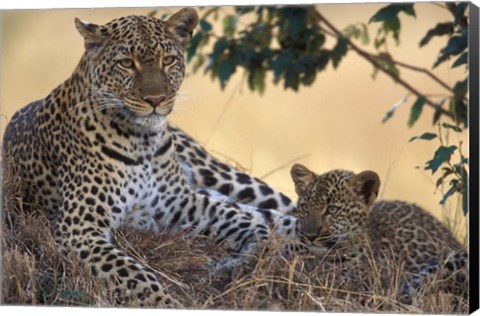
pixel 335 123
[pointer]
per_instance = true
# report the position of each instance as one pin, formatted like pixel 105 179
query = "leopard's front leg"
pixel 222 222
pixel 83 227
pixel 237 230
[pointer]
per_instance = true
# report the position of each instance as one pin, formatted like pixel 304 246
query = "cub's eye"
pixel 126 63
pixel 168 60
pixel 302 206
pixel 332 209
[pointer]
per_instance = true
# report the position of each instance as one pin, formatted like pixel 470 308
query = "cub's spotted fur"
pixel 338 218
pixel 97 153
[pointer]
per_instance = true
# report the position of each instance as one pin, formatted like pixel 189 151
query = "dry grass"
pixel 33 272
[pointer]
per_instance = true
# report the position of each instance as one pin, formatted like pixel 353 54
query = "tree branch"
pixel 404 65
pixel 425 71
pixel 324 30
pixel 369 57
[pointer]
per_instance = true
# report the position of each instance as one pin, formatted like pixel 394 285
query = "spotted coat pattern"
pixel 97 153
pixel 338 215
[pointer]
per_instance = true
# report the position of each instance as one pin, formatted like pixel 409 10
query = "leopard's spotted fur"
pixel 97 153
pixel 339 219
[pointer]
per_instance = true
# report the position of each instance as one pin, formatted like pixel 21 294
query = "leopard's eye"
pixel 302 206
pixel 126 63
pixel 168 60
pixel 332 209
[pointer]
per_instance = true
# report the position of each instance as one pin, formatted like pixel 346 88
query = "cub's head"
pixel 332 206
pixel 136 63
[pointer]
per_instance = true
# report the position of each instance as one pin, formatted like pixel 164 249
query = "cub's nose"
pixel 154 101
pixel 309 237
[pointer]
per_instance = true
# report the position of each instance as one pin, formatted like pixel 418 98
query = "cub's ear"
pixel 90 32
pixel 302 177
pixel 366 185
pixel 181 25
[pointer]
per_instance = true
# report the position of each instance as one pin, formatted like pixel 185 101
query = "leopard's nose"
pixel 154 101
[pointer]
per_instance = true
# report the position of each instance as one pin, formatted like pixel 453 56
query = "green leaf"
pixel 339 51
pixel 446 173
pixel 451 6
pixel 442 154
pixel 460 109
pixel 322 59
pixel 383 14
pixel 394 108
pixel 379 42
pixel 416 111
pixel 193 45
pixel 460 13
pixel 450 192
pixel 352 31
pixel 256 80
pixel 455 128
pixel 460 88
pixel 436 116
pixel 408 10
pixel 386 61
pixel 219 48
pixel 456 45
pixel 389 16
pixel 280 63
pixel 205 26
pixel 292 77
pixel 425 136
pixel 462 60
pixel 364 37
pixel 358 32
pixel 309 76
pixel 229 25
pixel 225 71
pixel 438 113
pixel 393 25
pixel 296 17
pixel 279 67
pixel 440 29
pixel 391 11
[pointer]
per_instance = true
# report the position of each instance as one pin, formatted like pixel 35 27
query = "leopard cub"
pixel 340 220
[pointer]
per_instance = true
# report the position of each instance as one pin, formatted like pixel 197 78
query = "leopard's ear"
pixel 90 33
pixel 366 184
pixel 182 23
pixel 302 177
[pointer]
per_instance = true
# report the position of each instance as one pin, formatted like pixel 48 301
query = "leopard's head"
pixel 333 206
pixel 134 66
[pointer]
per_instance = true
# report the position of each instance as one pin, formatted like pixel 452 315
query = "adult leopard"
pixel 97 153
pixel 340 220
